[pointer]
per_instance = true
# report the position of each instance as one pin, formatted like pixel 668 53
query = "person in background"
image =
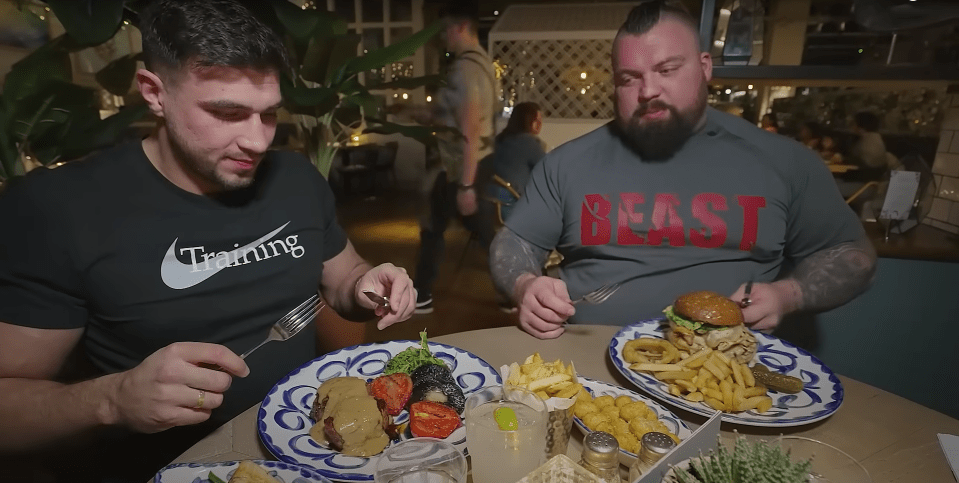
pixel 674 196
pixel 158 261
pixel 467 102
pixel 869 150
pixel 769 122
pixel 829 151
pixel 518 146
pixel 810 134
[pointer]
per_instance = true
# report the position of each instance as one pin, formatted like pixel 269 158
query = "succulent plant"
pixel 758 462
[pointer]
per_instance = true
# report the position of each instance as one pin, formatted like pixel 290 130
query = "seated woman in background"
pixel 769 122
pixel 518 146
pixel 869 151
pixel 810 134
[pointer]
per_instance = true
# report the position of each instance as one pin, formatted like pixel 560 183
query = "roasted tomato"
pixel 432 419
pixel 394 390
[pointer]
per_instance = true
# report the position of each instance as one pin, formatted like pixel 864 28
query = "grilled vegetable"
pixel 441 392
pixel 434 420
pixel 776 381
pixel 394 390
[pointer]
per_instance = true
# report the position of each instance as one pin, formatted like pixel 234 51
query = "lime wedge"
pixel 506 419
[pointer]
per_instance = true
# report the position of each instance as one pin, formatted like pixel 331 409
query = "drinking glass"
pixel 829 463
pixel 499 455
pixel 421 460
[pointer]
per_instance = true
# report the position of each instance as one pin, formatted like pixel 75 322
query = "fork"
pixel 292 322
pixel 599 295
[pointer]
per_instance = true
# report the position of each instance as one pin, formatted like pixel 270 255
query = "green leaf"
pixel 117 76
pixel 423 134
pixel 34 72
pixel 304 25
pixel 343 52
pixel 413 82
pixel 313 101
pixel 101 133
pixel 395 52
pixel 89 22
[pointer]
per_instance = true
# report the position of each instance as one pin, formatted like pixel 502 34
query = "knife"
pixel 746 300
pixel 377 298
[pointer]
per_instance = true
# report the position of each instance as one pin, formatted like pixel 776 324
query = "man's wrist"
pixel 790 294
pixel 520 286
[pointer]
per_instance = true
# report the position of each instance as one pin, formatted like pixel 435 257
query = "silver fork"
pixel 292 322
pixel 599 295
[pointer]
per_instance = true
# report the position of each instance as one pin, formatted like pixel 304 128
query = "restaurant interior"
pixel 802 68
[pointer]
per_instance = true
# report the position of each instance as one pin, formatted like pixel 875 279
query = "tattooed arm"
pixel 517 266
pixel 822 281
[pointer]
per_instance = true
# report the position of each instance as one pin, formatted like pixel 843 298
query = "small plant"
pixel 758 462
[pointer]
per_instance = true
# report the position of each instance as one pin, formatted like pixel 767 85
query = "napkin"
pixel 553 403
pixel 950 447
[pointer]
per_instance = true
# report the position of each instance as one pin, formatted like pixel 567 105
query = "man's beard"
pixel 195 163
pixel 658 140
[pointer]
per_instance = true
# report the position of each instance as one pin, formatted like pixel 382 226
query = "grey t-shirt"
pixel 515 157
pixel 471 76
pixel 734 203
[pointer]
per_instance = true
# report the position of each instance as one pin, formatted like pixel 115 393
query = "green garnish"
pixel 506 419
pixel 411 358
pixel 214 479
pixel 689 324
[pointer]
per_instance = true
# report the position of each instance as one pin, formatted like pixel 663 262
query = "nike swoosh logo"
pixel 178 275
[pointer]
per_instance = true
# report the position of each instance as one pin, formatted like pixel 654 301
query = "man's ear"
pixel 151 88
pixel 706 61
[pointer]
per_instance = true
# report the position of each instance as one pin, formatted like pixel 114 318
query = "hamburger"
pixel 707 319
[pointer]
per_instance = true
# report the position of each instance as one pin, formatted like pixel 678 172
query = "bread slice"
pixel 250 472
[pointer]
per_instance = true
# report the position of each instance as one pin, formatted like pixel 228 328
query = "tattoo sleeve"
pixel 836 275
pixel 510 257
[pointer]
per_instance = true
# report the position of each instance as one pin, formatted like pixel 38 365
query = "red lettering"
pixel 751 206
pixel 666 207
pixel 711 222
pixel 594 223
pixel 627 216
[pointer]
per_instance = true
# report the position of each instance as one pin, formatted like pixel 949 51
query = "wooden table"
pixel 895 439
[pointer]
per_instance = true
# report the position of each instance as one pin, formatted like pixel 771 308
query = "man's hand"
pixel 770 302
pixel 544 305
pixel 466 201
pixel 165 389
pixel 392 281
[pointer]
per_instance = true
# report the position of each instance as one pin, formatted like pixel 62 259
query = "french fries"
pixel 708 376
pixel 546 379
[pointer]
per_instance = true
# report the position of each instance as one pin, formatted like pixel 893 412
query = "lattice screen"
pixel 569 79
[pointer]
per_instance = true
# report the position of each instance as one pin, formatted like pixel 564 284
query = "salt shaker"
pixel 601 456
pixel 653 446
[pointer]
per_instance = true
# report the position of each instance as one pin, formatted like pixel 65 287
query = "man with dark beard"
pixel 674 196
pixel 159 261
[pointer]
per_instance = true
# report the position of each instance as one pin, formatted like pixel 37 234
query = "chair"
pixel 361 164
pixel 503 196
pixel 386 160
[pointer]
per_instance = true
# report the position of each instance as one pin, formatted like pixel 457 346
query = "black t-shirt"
pixel 110 245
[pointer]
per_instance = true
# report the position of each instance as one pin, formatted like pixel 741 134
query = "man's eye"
pixel 230 115
pixel 667 71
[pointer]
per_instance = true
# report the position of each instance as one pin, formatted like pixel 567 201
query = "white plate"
pixel 821 396
pixel 283 421
pixel 200 472
pixel 599 388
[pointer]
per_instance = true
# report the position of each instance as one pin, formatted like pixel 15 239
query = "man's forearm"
pixel 513 259
pixel 39 413
pixel 831 277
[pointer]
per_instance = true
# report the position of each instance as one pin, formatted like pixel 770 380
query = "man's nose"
pixel 257 138
pixel 650 89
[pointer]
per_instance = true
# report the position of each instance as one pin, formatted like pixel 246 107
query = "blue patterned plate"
pixel 200 472
pixel 599 388
pixel 283 420
pixel 821 396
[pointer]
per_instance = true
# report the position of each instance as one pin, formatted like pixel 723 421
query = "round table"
pixel 894 438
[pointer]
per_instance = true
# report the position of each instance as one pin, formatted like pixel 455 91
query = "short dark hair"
pixel 867 121
pixel 207 33
pixel 462 12
pixel 520 120
pixel 646 15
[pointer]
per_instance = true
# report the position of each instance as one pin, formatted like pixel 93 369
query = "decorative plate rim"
pixel 837 392
pixel 267 440
pixel 646 400
pixel 283 465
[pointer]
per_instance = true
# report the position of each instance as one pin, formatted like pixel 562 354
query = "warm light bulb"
pixel 405 95
pixel 495 12
pixel 582 75
pixel 583 91
pixel 356 139
pixel 429 98
pixel 729 91
pixel 750 87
